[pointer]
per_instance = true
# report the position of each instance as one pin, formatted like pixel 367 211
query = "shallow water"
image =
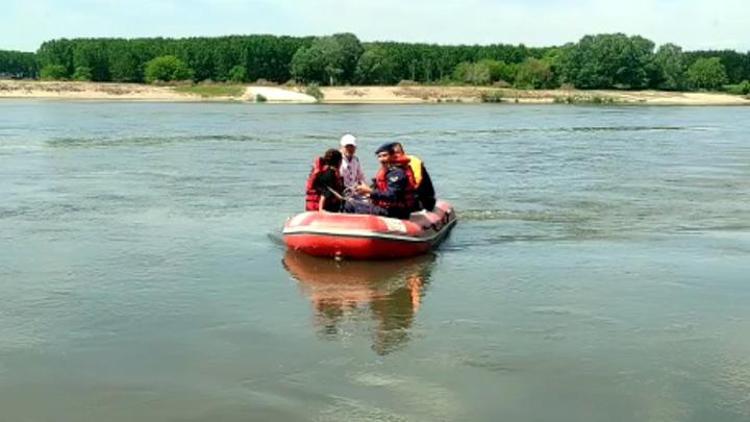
pixel 599 270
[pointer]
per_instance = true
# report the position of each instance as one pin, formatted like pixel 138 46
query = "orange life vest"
pixel 312 196
pixel 409 199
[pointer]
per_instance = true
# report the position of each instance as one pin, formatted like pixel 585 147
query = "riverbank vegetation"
pixel 209 90
pixel 604 61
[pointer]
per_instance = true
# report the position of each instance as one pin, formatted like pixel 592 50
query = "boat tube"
pixel 362 236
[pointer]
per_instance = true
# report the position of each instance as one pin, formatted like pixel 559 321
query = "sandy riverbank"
pixel 451 94
pixel 360 94
pixel 95 91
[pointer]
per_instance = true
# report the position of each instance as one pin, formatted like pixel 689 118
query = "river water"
pixel 600 269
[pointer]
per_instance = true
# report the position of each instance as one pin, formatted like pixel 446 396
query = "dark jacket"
pixel 425 191
pixel 326 181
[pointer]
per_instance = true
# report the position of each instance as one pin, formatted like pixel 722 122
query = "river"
pixel 600 268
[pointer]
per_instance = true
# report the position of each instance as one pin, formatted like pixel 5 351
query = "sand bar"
pixel 360 94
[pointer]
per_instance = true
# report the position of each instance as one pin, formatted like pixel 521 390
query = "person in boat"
pixel 394 190
pixel 425 189
pixel 351 169
pixel 325 187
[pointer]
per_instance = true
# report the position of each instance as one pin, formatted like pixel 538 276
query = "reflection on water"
pixel 387 294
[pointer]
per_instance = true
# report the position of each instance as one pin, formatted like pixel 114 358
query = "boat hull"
pixel 356 236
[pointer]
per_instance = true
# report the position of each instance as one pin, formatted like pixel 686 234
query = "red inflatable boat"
pixel 358 236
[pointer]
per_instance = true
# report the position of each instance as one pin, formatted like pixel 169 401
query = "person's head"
pixel 398 149
pixel 348 145
pixel 332 158
pixel 385 154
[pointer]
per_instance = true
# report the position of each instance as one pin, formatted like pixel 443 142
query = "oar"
pixel 338 195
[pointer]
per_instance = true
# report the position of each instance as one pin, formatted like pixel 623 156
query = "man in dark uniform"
pixel 392 194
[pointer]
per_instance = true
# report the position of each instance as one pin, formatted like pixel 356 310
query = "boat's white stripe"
pixel 366 233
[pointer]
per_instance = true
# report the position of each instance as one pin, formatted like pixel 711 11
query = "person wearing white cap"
pixel 351 169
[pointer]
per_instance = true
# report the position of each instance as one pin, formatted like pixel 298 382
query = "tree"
pixel 472 73
pixel 329 60
pixel 83 73
pixel 707 74
pixel 351 50
pixel 607 61
pixel 499 70
pixel 238 74
pixel 534 74
pixel 167 68
pixel 742 88
pixel 92 55
pixel 334 59
pixel 736 65
pixel 53 72
pixel 58 53
pixel 670 68
pixel 375 67
pixel 554 58
pixel 308 64
pixel 124 66
pixel 595 61
pixel 18 64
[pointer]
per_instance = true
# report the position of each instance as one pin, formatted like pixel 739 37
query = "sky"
pixel 692 24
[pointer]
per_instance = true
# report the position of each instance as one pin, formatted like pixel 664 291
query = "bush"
pixel 167 68
pixel 265 82
pixel 742 88
pixel 584 99
pixel 500 71
pixel 472 73
pixel 602 100
pixel 238 74
pixel 53 72
pixel 260 98
pixel 707 74
pixel 534 74
pixel 501 84
pixel 314 91
pixel 492 97
pixel 446 81
pixel 83 73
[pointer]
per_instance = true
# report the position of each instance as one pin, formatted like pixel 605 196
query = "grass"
pixel 212 90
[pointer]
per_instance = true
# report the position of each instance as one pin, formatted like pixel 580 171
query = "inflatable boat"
pixel 358 236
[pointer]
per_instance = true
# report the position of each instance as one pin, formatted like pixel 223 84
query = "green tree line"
pixel 124 60
pixel 602 61
pixel 18 64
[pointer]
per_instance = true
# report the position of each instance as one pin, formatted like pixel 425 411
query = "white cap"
pixel 348 139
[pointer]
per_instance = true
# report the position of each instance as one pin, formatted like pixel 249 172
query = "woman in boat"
pixel 325 187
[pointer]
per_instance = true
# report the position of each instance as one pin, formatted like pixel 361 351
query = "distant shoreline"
pixel 418 94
